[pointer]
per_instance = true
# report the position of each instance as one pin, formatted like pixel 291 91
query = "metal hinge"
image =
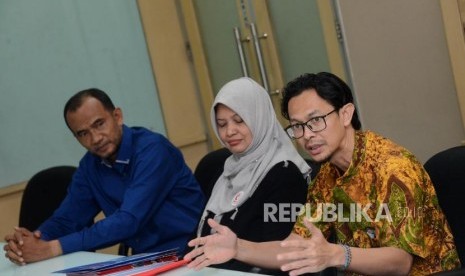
pixel 340 38
pixel 189 54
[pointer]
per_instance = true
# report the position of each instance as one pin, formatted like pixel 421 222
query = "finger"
pixel 216 227
pixel 213 224
pixel 291 256
pixel 15 258
pixel 18 237
pixel 316 232
pixel 23 231
pixel 194 253
pixel 188 257
pixel 199 263
pixel 193 262
pixel 9 237
pixel 197 241
pixel 309 265
pixel 16 262
pixel 193 242
pixel 295 243
pixel 13 247
pixel 303 270
pixel 37 234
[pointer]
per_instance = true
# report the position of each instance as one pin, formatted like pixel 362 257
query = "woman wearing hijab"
pixel 263 179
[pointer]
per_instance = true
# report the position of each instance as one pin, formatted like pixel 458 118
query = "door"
pixel 270 41
pixel 199 42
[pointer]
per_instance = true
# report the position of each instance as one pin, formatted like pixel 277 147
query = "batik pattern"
pixel 383 178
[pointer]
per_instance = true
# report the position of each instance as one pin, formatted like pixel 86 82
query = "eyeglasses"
pixel 315 124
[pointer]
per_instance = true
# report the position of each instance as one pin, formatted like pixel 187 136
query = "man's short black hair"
pixel 328 86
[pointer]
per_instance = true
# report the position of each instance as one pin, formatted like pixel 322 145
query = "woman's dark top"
pixel 266 215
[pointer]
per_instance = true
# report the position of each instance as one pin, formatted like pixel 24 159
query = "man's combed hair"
pixel 328 86
pixel 77 99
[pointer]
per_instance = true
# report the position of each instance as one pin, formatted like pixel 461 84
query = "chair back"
pixel 447 172
pixel 209 169
pixel 43 194
pixel 211 166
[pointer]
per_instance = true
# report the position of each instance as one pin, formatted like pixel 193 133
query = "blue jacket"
pixel 149 196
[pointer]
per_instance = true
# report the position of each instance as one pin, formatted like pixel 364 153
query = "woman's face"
pixel 233 131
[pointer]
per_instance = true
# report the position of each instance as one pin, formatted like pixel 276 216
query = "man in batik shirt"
pixel 373 193
pixel 397 205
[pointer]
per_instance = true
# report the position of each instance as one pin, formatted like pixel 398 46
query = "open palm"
pixel 216 248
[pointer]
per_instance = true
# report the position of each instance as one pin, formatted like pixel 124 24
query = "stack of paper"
pixel 145 264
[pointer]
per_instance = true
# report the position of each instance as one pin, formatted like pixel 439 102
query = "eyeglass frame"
pixel 308 126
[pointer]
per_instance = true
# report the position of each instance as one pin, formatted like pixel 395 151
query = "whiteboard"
pixel 49 50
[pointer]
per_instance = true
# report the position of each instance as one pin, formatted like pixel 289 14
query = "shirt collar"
pixel 357 157
pixel 359 148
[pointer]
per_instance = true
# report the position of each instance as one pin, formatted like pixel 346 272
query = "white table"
pixel 46 267
pixel 81 258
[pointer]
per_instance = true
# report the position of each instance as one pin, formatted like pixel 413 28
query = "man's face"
pixel 322 145
pixel 97 129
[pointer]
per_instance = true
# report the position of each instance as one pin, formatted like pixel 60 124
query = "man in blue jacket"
pixel 139 180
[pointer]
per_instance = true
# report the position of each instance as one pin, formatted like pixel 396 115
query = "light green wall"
pixel 299 37
pixel 217 18
pixel 298 33
pixel 50 49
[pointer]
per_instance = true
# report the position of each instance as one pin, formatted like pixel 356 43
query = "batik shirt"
pixel 384 199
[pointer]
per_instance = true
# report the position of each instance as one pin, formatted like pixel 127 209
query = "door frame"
pixel 454 29
pixel 175 79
